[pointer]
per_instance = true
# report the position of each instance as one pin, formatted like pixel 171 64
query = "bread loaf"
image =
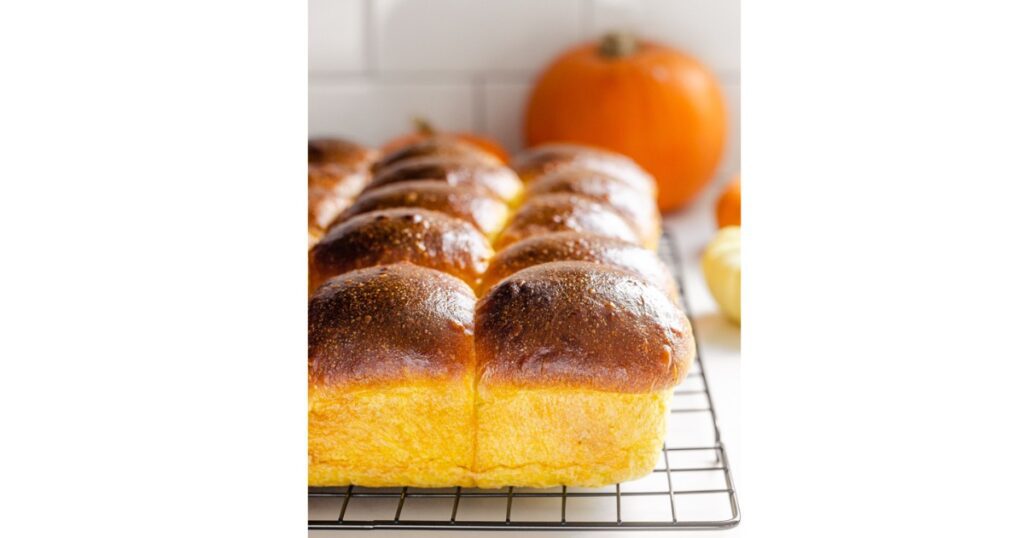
pixel 436 362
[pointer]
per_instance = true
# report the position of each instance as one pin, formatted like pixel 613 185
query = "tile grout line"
pixel 451 77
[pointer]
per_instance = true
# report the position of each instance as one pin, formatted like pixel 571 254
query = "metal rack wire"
pixel 691 487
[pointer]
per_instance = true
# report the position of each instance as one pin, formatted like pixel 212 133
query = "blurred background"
pixel 468 65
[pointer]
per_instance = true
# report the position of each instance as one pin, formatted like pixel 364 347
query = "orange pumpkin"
pixel 648 101
pixel 728 209
pixel 424 130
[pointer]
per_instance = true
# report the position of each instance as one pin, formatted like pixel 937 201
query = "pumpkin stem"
pixel 617 45
pixel 422 126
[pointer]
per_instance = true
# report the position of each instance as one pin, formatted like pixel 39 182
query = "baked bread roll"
pixel 391 379
pixel 499 180
pixel 561 212
pixel 474 205
pixel 338 171
pixel 575 246
pixel 575 367
pixel 339 151
pixel 437 146
pixel 409 234
pixel 547 158
pixel 637 206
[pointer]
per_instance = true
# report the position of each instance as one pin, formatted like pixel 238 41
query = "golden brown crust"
pixel 337 150
pixel 437 146
pixel 331 189
pixel 499 180
pixel 638 206
pixel 575 246
pixel 580 324
pixel 561 212
pixel 389 323
pixel 422 237
pixel 471 204
pixel 336 181
pixel 546 158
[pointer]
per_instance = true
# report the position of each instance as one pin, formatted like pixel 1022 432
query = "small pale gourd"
pixel 721 265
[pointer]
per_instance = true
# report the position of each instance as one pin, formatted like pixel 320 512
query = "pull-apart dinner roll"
pixel 338 171
pixel 575 367
pixel 499 180
pixel 575 246
pixel 336 150
pixel 639 207
pixel 437 146
pixel 422 237
pixel 559 212
pixel 331 188
pixel 474 205
pixel 391 379
pixel 540 160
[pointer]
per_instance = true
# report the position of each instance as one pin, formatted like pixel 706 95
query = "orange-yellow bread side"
pixel 575 364
pixel 543 437
pixel 402 434
pixel 391 375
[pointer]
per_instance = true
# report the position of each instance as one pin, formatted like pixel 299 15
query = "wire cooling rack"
pixel 691 487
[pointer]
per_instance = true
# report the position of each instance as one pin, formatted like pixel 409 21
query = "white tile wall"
pixel 336 40
pixel 469 64
pixel 503 112
pixel 731 160
pixel 373 112
pixel 472 35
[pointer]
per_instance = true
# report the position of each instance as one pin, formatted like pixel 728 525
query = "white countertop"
pixel 720 348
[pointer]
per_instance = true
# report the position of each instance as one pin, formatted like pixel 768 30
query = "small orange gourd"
pixel 645 100
pixel 728 209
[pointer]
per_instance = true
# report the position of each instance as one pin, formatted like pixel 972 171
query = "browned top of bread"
pixel 337 150
pixel 546 158
pixel 422 237
pixel 575 246
pixel 473 204
pixel 339 180
pixel 390 323
pixel 499 180
pixel 580 324
pixel 638 206
pixel 332 187
pixel 560 212
pixel 437 146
